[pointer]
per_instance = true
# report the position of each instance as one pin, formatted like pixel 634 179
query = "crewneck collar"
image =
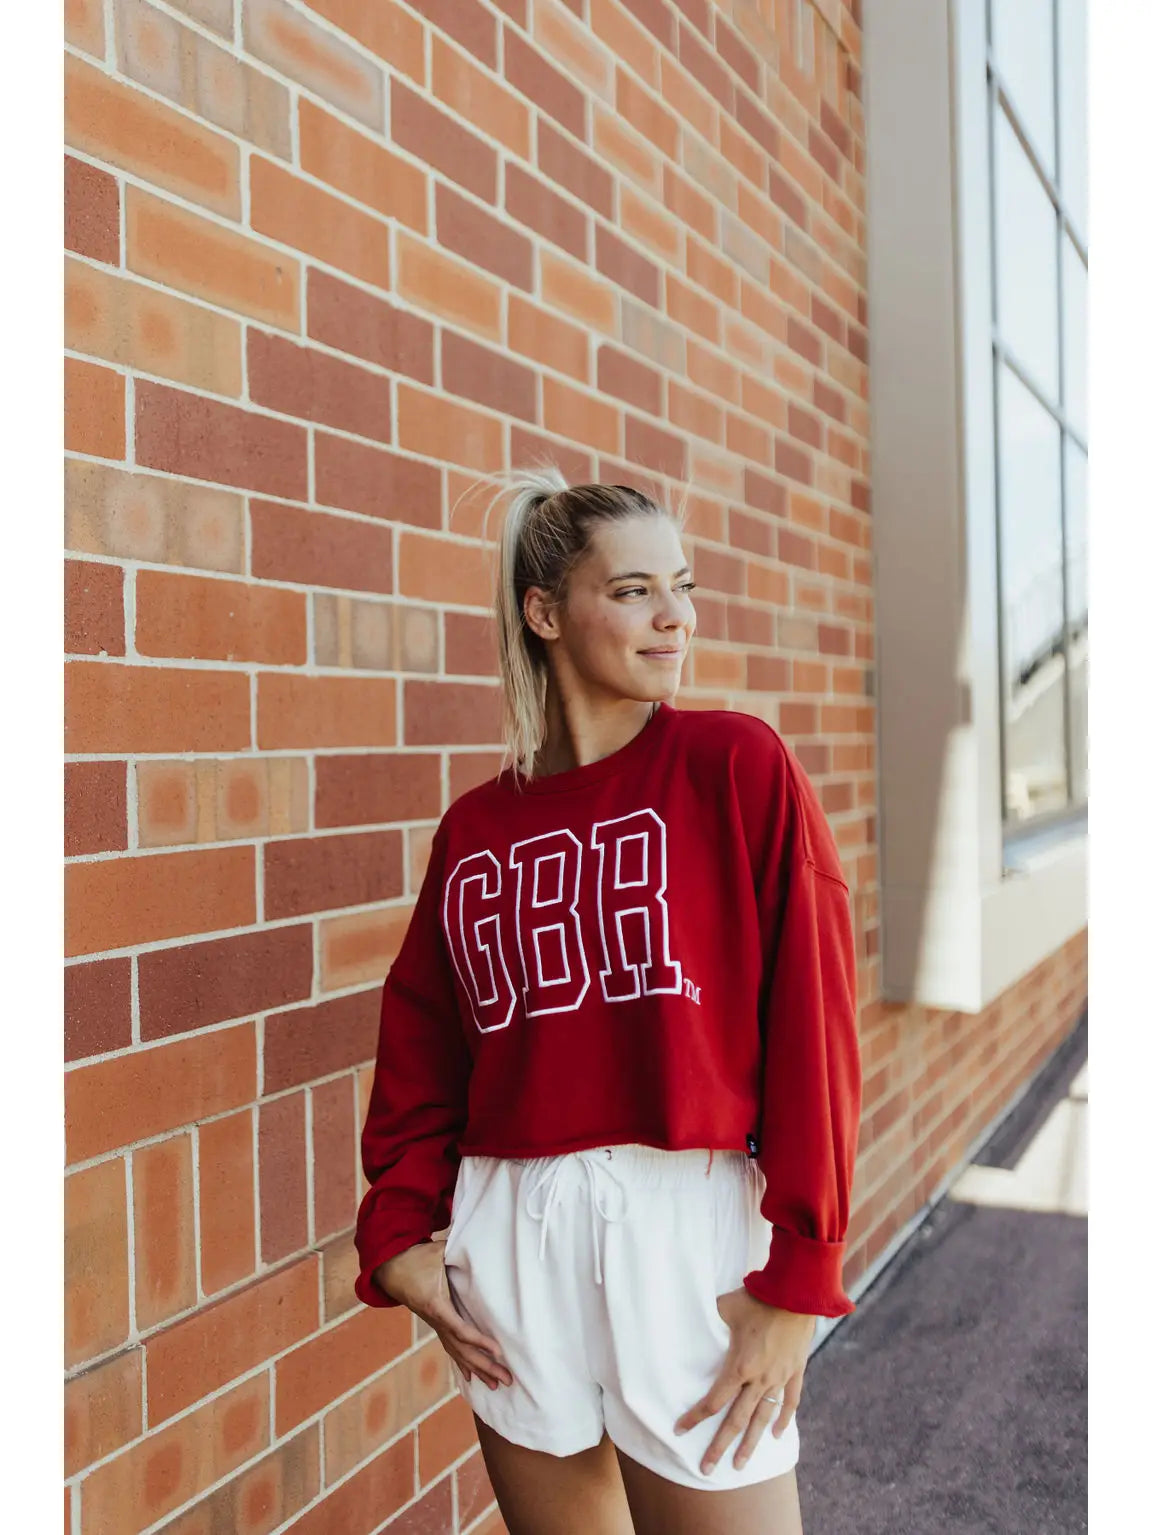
pixel 642 744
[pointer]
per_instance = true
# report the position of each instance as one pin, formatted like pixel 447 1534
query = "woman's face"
pixel 624 626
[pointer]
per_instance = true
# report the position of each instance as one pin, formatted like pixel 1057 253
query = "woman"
pixel 620 1041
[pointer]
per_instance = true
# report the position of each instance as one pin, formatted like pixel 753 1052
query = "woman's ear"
pixel 540 613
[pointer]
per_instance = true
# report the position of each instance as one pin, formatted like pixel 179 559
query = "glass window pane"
pixel 1032 599
pixel 1073 111
pixel 1075 280
pixel 1026 232
pixel 1022 49
pixel 1076 520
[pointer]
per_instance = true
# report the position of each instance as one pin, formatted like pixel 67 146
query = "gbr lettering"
pixel 528 940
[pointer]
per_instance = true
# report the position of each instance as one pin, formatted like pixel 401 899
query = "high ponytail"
pixel 547 528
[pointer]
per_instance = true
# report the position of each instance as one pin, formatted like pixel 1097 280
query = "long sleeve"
pixel 419 1102
pixel 810 1107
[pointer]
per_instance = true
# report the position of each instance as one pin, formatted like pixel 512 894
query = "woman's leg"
pixel 661 1507
pixel 542 1494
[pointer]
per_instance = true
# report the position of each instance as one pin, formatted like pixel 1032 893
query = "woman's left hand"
pixel 766 1357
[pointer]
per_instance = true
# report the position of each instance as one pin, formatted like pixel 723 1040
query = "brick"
pixel 625 266
pixel 103 1410
pixel 375 483
pixel 757 124
pixel 451 713
pixel 112 512
pixel 129 1098
pixel 95 1261
pixel 308 1043
pixel 473 1489
pixel 344 317
pixel 379 787
pixel 118 902
pixel 449 288
pixel 533 203
pixel 710 272
pixel 440 429
pixel 373 636
pixel 301 381
pixel 93 609
pixel 440 570
pixel 304 216
pixel 443 1437
pixel 200 1353
pixel 546 338
pixel 647 115
pixel 199 984
pixel 310 55
pixel 528 71
pixel 467 22
pixel 114 708
pixel 341 1264
pixel 292 544
pixel 184 251
pixel 362 168
pixel 719 571
pixel 769 674
pixel 489 242
pixel 218 801
pixel 216 620
pixel 283 1177
pixel 655 449
pixel 227 1201
pixel 358 949
pixel 754 534
pixel 442 143
pixel 792 462
pixel 97 1007
pixel 260 1497
pixel 204 439
pixel 84 25
pixel 118 124
pixel 584 417
pixel 310 712
pixel 470 645
pixel 355 1428
pixel 211 83
pixel 737 55
pixel 697 414
pixel 309 1377
pixel 487 377
pixel 575 292
pixel 383 27
pixel 702 63
pixel 692 103
pixel 93 409
pixel 623 376
pixel 357 1505
pixel 91 211
pixel 217 15
pixel 765 494
pixel 167 1468
pixel 165 1229
pixel 311 874
pixel 616 143
pixel 482 101
pixel 335 1156
pixel 137 327
pixel 574 169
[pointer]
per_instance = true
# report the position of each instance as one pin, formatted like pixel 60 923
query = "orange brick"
pixel 184 251
pixel 203 1352
pixel 322 63
pixel 455 434
pixel 385 1484
pixel 482 101
pixel 126 323
pixel 93 409
pixel 442 1437
pixel 309 1377
pixel 301 215
pixel 545 337
pixel 131 1097
pixel 167 1468
pixel 122 126
pixel 218 801
pixel 383 27
pixel 571 289
pixel 227 1201
pixel 117 902
pixel 362 168
pixel 626 39
pixel 214 620
pixel 449 288
pixel 583 417
pixel 688 306
pixel 358 949
pixel 647 224
pixel 263 1496
pixel 306 712
pixel 103 1409
pixel 145 517
pixel 442 571
pixel 95 1261
pixel 84 25
pixel 164 1225
pixel 718 668
pixel 646 114
pixel 620 146
pixel 354 1429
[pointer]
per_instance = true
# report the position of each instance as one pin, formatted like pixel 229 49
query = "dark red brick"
pixel 751 625
pixel 443 143
pixel 376 483
pixel 533 203
pixel 451 714
pixel 624 265
pixel 534 448
pixel 620 374
pixel 312 1042
pixel 95 808
pixel 205 439
pixel 804 340
pixel 197 984
pixel 467 769
pixel 655 449
pixel 97 1007
pixel 283 1178
pixel 470 23
pixel 309 874
pixel 769 674
pixel 792 461
pixel 700 61
pixel 757 124
pixel 362 325
pixel 365 790
pixel 795 549
pixel 718 571
pixel 528 71
pixel 581 176
pixel 827 319
pixel 804 426
pixel 787 198
pixel 488 378
pixel 765 494
pixel 754 534
pixel 486 241
pixel 93 609
pixel 91 212
pixel 469 645
pixel 335 1156
pixel 290 543
pixel 300 381
pixel 737 55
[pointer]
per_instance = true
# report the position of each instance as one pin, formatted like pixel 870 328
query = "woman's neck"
pixel 580 731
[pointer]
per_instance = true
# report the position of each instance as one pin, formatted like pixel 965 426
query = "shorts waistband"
pixel 647 1166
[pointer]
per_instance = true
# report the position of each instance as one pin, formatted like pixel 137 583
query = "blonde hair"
pixel 548 526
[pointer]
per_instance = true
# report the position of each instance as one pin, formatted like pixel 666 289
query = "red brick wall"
pixel 326 262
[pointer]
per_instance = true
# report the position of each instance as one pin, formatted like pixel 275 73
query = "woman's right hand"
pixel 418 1279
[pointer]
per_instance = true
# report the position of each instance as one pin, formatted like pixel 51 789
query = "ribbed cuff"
pixel 801 1275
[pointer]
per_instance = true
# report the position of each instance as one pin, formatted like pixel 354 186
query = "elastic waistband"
pixel 646 1166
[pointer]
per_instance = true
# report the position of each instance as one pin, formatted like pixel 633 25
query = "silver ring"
pixel 776 1399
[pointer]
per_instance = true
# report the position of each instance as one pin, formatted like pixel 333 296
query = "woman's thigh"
pixel 661 1507
pixel 542 1494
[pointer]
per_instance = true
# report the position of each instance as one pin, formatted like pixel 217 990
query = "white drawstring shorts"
pixel 597 1273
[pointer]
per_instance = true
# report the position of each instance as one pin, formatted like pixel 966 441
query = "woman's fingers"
pixel 758 1422
pixel 736 1420
pixel 791 1401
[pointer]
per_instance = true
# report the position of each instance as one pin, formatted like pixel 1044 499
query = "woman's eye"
pixel 686 586
pixel 630 591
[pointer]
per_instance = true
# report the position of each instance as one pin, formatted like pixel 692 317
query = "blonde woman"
pixel 618 1046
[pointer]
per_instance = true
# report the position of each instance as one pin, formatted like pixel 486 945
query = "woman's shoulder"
pixel 716 737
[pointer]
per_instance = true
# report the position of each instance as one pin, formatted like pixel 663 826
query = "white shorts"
pixel 597 1272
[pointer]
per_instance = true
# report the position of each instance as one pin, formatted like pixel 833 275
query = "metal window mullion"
pixel 1063 381
pixel 997 446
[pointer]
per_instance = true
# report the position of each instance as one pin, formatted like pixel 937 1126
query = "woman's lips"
pixel 671 654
